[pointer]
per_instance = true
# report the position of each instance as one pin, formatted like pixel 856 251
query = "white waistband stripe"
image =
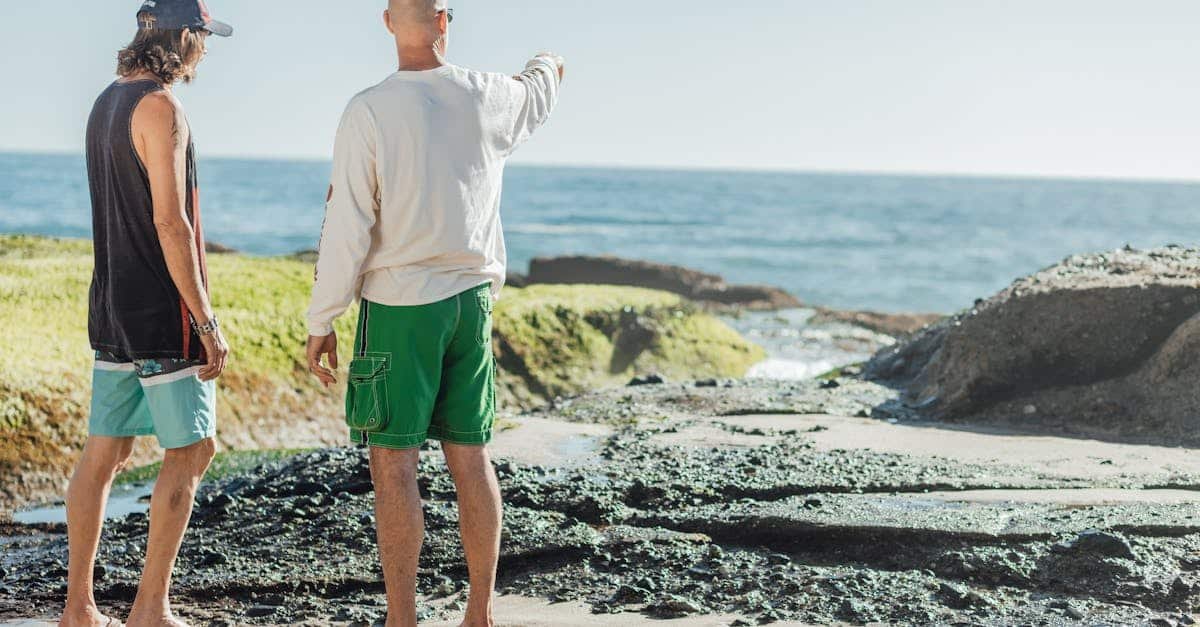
pixel 164 379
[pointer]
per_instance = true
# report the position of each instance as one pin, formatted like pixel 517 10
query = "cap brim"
pixel 220 29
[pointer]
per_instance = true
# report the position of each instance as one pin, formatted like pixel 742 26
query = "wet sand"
pixel 1050 455
pixel 517 611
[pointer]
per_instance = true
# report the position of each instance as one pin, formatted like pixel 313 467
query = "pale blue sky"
pixel 1061 87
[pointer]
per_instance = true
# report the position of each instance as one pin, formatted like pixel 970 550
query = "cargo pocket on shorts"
pixel 366 400
pixel 483 333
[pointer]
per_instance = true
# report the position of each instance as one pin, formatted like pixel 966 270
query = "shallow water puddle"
pixel 578 446
pixel 122 501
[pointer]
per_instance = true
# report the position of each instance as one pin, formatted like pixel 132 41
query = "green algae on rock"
pixel 555 340
pixel 550 340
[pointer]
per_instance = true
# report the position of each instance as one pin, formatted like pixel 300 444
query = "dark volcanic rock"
pixel 699 286
pixel 1100 543
pixel 893 324
pixel 214 248
pixel 1105 345
pixel 650 379
pixel 516 279
pixel 674 607
pixel 780 531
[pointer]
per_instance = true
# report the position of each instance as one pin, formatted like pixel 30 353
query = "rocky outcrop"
pixel 516 279
pixel 692 284
pixel 893 324
pixel 559 340
pixel 214 248
pixel 1106 345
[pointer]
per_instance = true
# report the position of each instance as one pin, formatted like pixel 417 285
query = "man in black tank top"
pixel 159 348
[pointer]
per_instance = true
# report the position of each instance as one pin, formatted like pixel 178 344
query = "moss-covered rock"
pixel 554 340
pixel 550 340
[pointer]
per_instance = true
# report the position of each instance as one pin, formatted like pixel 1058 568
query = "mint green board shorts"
pixel 423 371
pixel 159 397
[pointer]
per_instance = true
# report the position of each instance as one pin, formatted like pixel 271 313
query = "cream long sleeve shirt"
pixel 413 212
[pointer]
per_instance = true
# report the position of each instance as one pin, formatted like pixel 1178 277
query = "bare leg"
pixel 400 525
pixel 170 510
pixel 479 517
pixel 87 495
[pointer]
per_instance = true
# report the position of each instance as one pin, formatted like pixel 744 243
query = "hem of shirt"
pixel 321 325
pixel 320 329
pixel 400 302
pixel 121 352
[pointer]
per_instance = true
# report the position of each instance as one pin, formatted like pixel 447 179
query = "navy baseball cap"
pixel 180 14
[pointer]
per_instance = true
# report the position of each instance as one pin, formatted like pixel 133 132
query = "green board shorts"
pixel 159 397
pixel 423 371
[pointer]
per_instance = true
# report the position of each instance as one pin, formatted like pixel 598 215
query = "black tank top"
pixel 135 310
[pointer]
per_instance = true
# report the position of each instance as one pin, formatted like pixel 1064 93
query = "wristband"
pixel 210 328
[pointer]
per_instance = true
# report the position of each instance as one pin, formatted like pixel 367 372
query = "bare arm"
pixel 161 137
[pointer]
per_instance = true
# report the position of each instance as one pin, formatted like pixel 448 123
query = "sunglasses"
pixel 449 15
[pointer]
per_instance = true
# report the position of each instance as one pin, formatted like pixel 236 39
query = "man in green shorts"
pixel 412 228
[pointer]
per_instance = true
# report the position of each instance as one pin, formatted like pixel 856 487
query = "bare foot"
pixel 91 617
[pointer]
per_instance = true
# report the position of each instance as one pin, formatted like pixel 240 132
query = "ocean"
pixel 889 243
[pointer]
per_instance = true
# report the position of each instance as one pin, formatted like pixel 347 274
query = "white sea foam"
pixel 799 348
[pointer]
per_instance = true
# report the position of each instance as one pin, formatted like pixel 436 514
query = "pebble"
pixel 675 607
pixel 778 559
pixel 1097 542
pixel 212 558
pixel 260 611
pixel 630 595
pixel 444 586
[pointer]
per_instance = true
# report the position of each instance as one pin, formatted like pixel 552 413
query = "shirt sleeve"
pixel 536 94
pixel 350 214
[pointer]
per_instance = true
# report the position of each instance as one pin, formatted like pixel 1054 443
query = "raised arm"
pixel 160 133
pixel 536 94
pixel 350 213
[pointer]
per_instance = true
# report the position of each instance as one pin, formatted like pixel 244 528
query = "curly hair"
pixel 169 54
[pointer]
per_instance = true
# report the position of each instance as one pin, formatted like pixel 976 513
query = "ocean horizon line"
pixel 723 169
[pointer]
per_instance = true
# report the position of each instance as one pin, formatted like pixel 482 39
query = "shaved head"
pixel 415 11
pixel 417 23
